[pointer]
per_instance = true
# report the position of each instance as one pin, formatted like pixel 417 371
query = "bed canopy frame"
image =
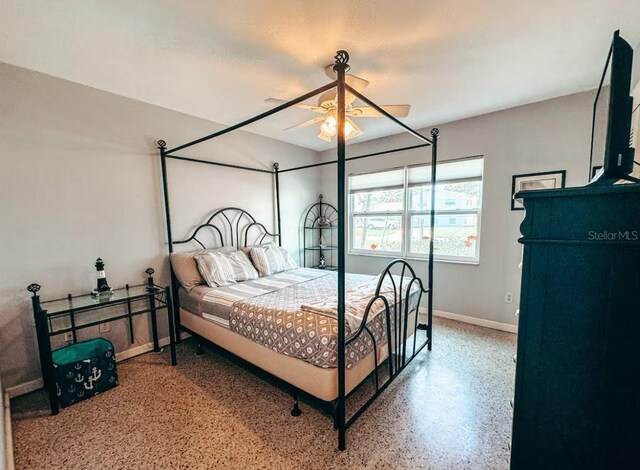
pixel 399 361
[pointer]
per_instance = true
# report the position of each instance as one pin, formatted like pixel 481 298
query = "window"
pixel 377 211
pixel 389 211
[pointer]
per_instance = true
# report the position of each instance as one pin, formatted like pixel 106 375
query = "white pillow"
pixel 185 267
pixel 271 259
pixel 222 269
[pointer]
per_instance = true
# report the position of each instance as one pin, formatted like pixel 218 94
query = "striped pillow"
pixel 185 267
pixel 271 259
pixel 222 269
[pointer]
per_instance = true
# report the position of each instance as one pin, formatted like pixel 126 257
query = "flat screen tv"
pixel 612 148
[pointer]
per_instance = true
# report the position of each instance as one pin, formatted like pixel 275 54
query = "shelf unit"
pixel 320 225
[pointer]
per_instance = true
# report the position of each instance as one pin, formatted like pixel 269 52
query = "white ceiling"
pixel 220 59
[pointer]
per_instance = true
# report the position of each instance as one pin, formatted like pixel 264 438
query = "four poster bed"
pixel 322 333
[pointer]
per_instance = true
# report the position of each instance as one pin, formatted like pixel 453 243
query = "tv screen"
pixel 611 125
pixel 600 118
pixel 635 122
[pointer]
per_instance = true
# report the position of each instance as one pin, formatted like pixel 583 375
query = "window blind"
pixel 448 172
pixel 379 181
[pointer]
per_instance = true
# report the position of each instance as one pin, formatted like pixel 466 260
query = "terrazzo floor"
pixel 448 410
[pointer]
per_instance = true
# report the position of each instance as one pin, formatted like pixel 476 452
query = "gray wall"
pixel 550 135
pixel 79 178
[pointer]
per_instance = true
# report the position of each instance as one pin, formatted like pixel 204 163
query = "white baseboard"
pixel 8 436
pixel 477 321
pixel 137 350
pixel 37 384
pixel 24 388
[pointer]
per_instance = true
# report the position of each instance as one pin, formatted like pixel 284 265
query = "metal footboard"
pixel 396 318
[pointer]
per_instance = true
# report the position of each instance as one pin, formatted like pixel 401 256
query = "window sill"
pixel 414 258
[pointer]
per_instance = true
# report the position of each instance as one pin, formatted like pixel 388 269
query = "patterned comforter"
pixel 277 321
pixel 216 304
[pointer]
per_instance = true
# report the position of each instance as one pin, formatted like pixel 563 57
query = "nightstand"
pixel 73 313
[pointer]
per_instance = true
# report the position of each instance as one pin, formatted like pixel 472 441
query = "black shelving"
pixel 320 226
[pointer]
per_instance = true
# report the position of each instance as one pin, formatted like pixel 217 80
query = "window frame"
pixel 399 213
pixel 406 216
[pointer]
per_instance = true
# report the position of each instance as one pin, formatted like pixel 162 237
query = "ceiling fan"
pixel 327 109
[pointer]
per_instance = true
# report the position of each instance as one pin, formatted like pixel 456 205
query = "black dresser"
pixel 577 394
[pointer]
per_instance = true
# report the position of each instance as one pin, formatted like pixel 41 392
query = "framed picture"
pixel 534 181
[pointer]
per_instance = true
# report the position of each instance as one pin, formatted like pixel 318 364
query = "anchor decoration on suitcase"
pixel 97 373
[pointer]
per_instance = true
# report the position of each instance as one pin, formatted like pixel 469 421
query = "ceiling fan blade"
pixel 349 97
pixel 306 123
pixel 357 83
pixel 315 109
pixel 397 110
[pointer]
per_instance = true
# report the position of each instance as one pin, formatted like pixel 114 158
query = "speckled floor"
pixel 448 410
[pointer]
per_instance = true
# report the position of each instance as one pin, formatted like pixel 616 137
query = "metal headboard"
pixel 231 225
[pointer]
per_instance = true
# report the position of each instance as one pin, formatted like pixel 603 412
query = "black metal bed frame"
pixel 397 358
pixel 240 215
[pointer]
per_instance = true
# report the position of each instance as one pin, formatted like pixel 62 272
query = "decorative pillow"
pixel 222 269
pixel 271 259
pixel 247 249
pixel 185 268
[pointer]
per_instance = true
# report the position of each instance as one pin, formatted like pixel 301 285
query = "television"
pixel 612 148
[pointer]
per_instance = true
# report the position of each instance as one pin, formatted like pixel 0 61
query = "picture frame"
pixel 535 181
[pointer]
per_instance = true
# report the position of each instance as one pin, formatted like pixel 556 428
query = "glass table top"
pixel 87 302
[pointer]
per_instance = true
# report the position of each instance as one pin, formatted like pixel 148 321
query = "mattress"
pixel 215 303
pixel 290 313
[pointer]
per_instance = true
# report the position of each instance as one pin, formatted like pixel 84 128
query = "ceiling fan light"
pixel 329 126
pixel 324 136
pixel 348 129
pixel 329 129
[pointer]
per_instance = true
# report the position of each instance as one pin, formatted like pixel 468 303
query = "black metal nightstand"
pixel 70 314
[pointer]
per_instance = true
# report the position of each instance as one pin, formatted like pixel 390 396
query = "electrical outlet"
pixel 104 327
pixel 508 298
pixel 68 337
